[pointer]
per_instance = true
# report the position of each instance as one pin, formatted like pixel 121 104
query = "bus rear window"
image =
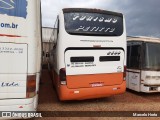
pixel 82 59
pixel 109 58
pixel 93 24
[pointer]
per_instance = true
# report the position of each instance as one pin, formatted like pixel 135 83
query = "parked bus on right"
pixel 143 64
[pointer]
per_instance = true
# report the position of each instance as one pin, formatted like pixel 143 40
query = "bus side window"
pixel 57 28
pixel 56 33
pixel 135 56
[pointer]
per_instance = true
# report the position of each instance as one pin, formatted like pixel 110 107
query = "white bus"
pixel 89 54
pixel 20 54
pixel 143 64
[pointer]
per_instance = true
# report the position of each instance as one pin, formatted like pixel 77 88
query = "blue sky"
pixel 142 16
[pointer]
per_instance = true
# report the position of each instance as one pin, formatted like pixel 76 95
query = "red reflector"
pixel 20 106
pixel 124 73
pixel 97 46
pixel 71 92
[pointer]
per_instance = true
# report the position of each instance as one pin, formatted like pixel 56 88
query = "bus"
pixel 143 64
pixel 88 59
pixel 20 53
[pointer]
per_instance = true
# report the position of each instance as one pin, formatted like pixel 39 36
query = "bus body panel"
pixel 94 66
pixel 134 77
pixel 144 81
pixel 88 92
pixel 94 61
pixel 61 46
pixel 150 81
pixel 10 104
pixel 20 51
pixel 27 31
pixel 94 80
pixel 66 40
pixel 150 77
pixel 10 54
pixel 20 105
pixel 12 86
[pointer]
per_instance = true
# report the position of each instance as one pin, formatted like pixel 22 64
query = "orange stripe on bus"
pixel 66 93
pixel 85 81
pixel 10 35
pixel 87 93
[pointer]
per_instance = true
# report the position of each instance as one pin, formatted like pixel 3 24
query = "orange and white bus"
pixel 20 53
pixel 89 54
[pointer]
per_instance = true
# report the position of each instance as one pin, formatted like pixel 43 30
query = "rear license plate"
pixel 97 84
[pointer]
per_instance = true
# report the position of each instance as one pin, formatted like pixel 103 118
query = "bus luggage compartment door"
pixel 13 70
pixel 94 67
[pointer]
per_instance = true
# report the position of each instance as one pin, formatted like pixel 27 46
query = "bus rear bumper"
pixel 21 105
pixel 89 93
pixel 150 88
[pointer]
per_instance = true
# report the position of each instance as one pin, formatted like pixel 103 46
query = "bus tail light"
pixel 142 81
pixel 31 86
pixel 63 76
pixel 124 73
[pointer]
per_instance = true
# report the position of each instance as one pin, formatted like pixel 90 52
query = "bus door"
pixel 90 67
pixel 13 69
pixel 134 66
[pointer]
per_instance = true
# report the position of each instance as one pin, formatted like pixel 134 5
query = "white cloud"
pixel 50 8
pixel 85 3
pixel 142 16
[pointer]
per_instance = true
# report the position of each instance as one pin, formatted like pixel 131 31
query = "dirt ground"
pixel 129 101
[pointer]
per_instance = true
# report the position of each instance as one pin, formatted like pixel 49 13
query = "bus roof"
pixel 143 38
pixel 92 10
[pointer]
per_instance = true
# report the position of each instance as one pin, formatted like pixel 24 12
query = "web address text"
pixel 8 25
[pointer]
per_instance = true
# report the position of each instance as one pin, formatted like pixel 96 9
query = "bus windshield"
pixel 152 57
pixel 93 24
